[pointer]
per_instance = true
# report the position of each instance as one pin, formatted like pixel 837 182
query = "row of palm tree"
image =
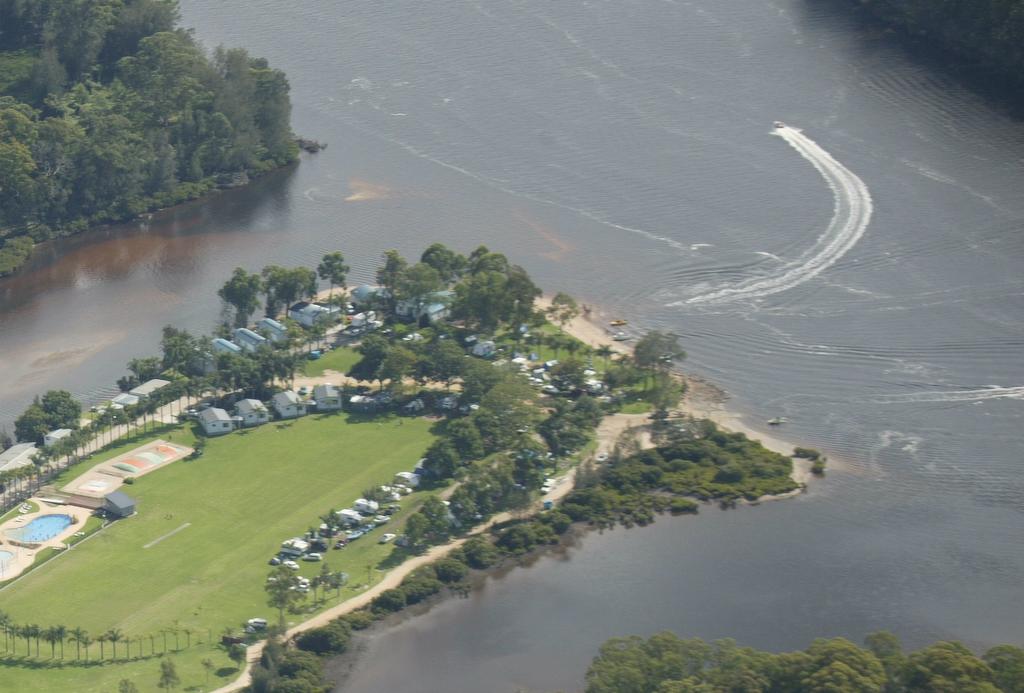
pixel 57 636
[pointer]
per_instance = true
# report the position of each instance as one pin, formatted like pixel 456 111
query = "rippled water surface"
pixel 625 152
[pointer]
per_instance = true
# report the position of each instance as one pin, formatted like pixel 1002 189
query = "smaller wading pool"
pixel 5 558
pixel 40 529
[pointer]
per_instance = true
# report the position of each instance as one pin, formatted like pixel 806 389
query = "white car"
pixel 386 538
pixel 290 564
pixel 312 557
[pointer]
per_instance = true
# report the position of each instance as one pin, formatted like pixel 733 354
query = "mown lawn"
pixel 246 494
pixel 340 360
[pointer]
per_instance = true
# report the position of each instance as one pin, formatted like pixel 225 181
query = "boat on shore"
pixel 618 322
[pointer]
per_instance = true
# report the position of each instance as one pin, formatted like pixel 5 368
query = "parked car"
pixel 354 534
pixel 386 538
pixel 290 564
pixel 275 561
pixel 341 543
pixel 312 557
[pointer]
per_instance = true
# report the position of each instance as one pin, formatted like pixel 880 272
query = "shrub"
pixel 389 600
pixel 358 620
pixel 680 506
pixel 818 468
pixel 450 570
pixel 480 553
pixel 806 453
pixel 329 639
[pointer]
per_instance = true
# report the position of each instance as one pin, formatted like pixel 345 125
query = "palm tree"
pixel 26 632
pixel 78 636
pixel 86 641
pixel 35 632
pixel 114 635
pixel 5 624
pixel 50 636
pixel 605 352
pixel 208 666
pixel 102 640
pixel 61 631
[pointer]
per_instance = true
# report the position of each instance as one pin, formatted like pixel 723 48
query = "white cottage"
pixel 247 339
pixel 252 412
pixel 272 329
pixel 327 397
pixel 288 405
pixel 216 422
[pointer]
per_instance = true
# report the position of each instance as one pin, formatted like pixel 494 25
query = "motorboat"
pixel 777 421
pixel 779 124
pixel 618 322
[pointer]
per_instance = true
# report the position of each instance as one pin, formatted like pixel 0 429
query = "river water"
pixel 857 273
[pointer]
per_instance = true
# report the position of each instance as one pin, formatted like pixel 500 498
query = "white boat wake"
pixel 993 392
pixel 850 218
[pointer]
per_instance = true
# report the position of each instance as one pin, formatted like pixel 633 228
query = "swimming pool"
pixel 5 558
pixel 40 529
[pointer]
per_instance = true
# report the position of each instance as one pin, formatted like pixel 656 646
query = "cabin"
pixel 485 349
pixel 274 330
pixel 288 405
pixel 17 456
pixel 119 504
pixel 327 397
pixel 223 346
pixel 147 388
pixel 429 308
pixel 252 412
pixel 308 314
pixel 247 339
pixel 366 296
pixel 54 437
pixel 216 422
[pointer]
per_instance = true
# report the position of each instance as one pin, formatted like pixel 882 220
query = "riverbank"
pixel 702 399
pixel 200 193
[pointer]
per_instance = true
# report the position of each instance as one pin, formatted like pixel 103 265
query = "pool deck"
pixel 23 558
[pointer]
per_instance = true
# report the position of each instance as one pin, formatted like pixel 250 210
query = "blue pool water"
pixel 40 529
pixel 5 556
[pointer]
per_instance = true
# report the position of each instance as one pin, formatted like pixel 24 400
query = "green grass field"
pixel 246 494
pixel 335 360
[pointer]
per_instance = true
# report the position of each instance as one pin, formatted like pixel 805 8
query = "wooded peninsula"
pixel 108 109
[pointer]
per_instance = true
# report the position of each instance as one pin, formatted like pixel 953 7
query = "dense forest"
pixel 107 110
pixel 985 33
pixel 665 663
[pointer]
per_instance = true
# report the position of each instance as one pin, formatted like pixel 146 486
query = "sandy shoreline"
pixel 702 399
